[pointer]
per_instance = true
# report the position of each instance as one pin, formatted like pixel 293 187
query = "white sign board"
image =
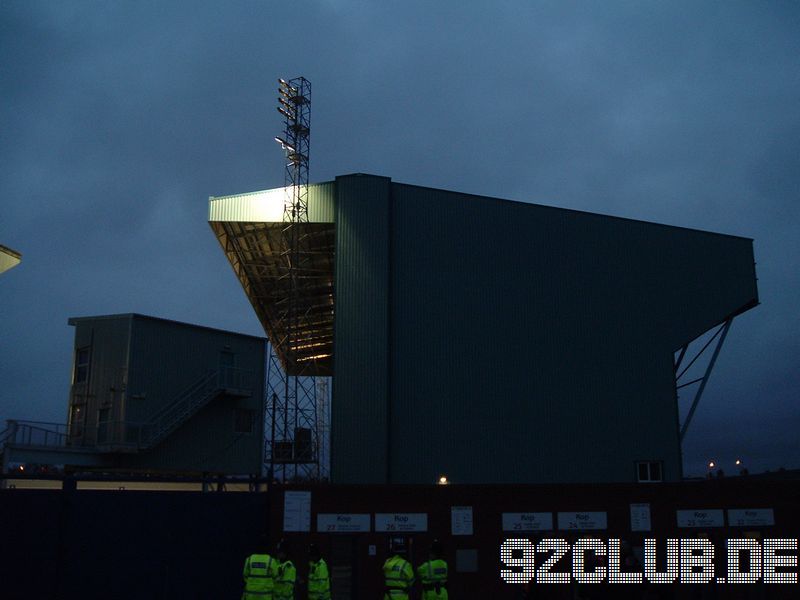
pixel 297 511
pixel 640 517
pixel 751 517
pixel 535 521
pixel 582 520
pixel 701 518
pixel 343 523
pixel 401 522
pixel 461 520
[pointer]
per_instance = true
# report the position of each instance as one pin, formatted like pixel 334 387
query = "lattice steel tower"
pixel 291 402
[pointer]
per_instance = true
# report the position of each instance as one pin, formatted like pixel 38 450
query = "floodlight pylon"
pixel 292 451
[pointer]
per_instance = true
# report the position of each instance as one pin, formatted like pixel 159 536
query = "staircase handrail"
pixel 168 419
pixel 194 397
pixel 188 391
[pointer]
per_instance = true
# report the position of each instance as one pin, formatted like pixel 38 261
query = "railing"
pixel 34 433
pixel 235 379
pixel 136 435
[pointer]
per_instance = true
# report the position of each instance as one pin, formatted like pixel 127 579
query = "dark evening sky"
pixel 119 120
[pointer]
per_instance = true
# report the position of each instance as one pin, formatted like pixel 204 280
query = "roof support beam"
pixel 704 380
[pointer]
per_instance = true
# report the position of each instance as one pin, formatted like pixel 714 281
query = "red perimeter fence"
pixel 76 543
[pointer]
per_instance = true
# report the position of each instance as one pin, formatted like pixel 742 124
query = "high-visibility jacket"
pixel 319 583
pixel 260 571
pixel 399 577
pixel 433 576
pixel 284 582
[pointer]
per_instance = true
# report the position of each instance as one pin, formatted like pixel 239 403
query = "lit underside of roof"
pixel 250 230
pixel 8 258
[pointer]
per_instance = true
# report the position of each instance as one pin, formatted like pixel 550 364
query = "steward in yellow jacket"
pixel 287 574
pixel 397 572
pixel 319 582
pixel 260 571
pixel 433 574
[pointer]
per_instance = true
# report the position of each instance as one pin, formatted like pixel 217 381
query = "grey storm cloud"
pixel 118 120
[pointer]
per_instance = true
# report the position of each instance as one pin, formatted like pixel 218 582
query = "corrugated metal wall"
pixel 359 405
pixel 167 357
pixel 525 343
pixel 267 205
pixel 107 341
pixel 535 344
pixel 322 202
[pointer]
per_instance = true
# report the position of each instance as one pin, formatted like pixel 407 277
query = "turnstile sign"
pixel 343 523
pixel 534 521
pixel 751 517
pixel 401 522
pixel 701 518
pixel 582 520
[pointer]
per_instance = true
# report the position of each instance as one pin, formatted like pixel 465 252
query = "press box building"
pixel 489 340
pixel 155 395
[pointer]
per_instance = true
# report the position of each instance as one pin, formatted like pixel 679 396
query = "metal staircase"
pixel 186 405
pixel 210 385
pixel 130 436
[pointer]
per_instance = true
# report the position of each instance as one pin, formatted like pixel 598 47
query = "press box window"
pixel 82 365
pixel 649 471
pixel 243 421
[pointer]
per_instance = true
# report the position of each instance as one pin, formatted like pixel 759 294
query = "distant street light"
pixel 443 480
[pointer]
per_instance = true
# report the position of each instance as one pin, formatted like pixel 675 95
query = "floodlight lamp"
pixel 711 464
pixel 286 86
pixel 288 90
pixel 443 480
pixel 285 113
pixel 284 144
